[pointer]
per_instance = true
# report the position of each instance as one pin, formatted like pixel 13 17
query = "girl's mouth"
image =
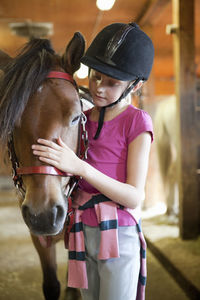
pixel 99 97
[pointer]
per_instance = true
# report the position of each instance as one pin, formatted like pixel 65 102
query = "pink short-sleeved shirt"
pixel 108 153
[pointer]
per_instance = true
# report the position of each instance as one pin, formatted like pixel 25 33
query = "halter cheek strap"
pixel 103 109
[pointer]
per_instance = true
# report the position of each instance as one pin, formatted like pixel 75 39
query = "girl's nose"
pixel 100 89
pixel 99 85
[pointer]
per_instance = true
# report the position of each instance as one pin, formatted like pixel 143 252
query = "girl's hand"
pixel 58 155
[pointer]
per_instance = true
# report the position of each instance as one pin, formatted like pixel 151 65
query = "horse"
pixel 39 98
pixel 165 125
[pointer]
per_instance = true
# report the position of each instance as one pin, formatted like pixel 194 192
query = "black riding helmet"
pixel 122 51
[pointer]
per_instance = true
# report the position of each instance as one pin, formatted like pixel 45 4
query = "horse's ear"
pixel 4 59
pixel 73 53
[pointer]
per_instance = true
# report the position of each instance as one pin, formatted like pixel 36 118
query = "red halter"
pixel 48 170
pixel 61 75
pixel 44 169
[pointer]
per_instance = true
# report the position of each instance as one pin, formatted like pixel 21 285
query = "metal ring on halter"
pixel 84 137
pixel 83 119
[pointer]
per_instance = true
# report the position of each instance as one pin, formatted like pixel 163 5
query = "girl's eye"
pixel 112 83
pixel 96 78
pixel 75 120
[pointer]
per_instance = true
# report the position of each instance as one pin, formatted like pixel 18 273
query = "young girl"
pixel 106 246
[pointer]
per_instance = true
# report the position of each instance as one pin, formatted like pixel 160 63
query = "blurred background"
pixel 171 210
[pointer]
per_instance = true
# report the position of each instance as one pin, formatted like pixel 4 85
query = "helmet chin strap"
pixel 103 109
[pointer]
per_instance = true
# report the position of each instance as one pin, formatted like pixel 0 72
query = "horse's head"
pixel 32 106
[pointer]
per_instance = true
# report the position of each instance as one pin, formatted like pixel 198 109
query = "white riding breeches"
pixel 115 278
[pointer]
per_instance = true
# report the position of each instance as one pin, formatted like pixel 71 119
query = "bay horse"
pixel 39 98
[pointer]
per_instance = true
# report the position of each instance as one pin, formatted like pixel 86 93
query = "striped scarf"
pixel 106 211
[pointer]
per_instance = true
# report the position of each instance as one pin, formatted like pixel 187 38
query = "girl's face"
pixel 104 89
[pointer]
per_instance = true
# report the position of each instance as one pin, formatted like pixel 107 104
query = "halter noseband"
pixel 45 169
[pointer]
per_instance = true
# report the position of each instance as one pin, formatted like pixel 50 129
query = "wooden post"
pixel 184 51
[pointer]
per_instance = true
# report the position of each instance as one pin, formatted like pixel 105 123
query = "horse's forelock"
pixel 23 75
pixel 34 46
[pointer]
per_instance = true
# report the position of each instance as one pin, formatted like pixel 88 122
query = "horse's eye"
pixel 75 120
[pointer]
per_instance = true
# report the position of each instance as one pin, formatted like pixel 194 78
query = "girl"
pixel 106 246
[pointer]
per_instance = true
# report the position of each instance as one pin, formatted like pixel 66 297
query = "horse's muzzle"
pixel 49 222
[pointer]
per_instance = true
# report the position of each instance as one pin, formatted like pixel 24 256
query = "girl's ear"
pixel 138 85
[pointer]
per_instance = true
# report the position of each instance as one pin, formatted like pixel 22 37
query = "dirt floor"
pixel 181 259
pixel 20 274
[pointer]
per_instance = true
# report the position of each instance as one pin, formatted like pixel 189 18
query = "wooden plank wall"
pixel 186 91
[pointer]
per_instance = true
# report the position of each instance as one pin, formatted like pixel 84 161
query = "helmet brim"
pixel 107 69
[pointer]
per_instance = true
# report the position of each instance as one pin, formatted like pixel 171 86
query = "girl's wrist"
pixel 82 169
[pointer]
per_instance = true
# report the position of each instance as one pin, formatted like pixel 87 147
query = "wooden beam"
pixel 184 51
pixel 151 11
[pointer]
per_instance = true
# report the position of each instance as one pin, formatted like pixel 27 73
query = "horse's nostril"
pixel 48 221
pixel 60 211
pixel 57 215
pixel 29 218
pixel 53 216
pixel 25 211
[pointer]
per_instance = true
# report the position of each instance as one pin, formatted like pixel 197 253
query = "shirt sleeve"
pixel 140 123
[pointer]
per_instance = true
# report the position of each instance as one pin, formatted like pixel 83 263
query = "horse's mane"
pixel 23 76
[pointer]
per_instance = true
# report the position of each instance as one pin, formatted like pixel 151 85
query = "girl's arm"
pixel 129 194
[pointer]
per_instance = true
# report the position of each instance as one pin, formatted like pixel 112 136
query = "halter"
pixel 18 171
